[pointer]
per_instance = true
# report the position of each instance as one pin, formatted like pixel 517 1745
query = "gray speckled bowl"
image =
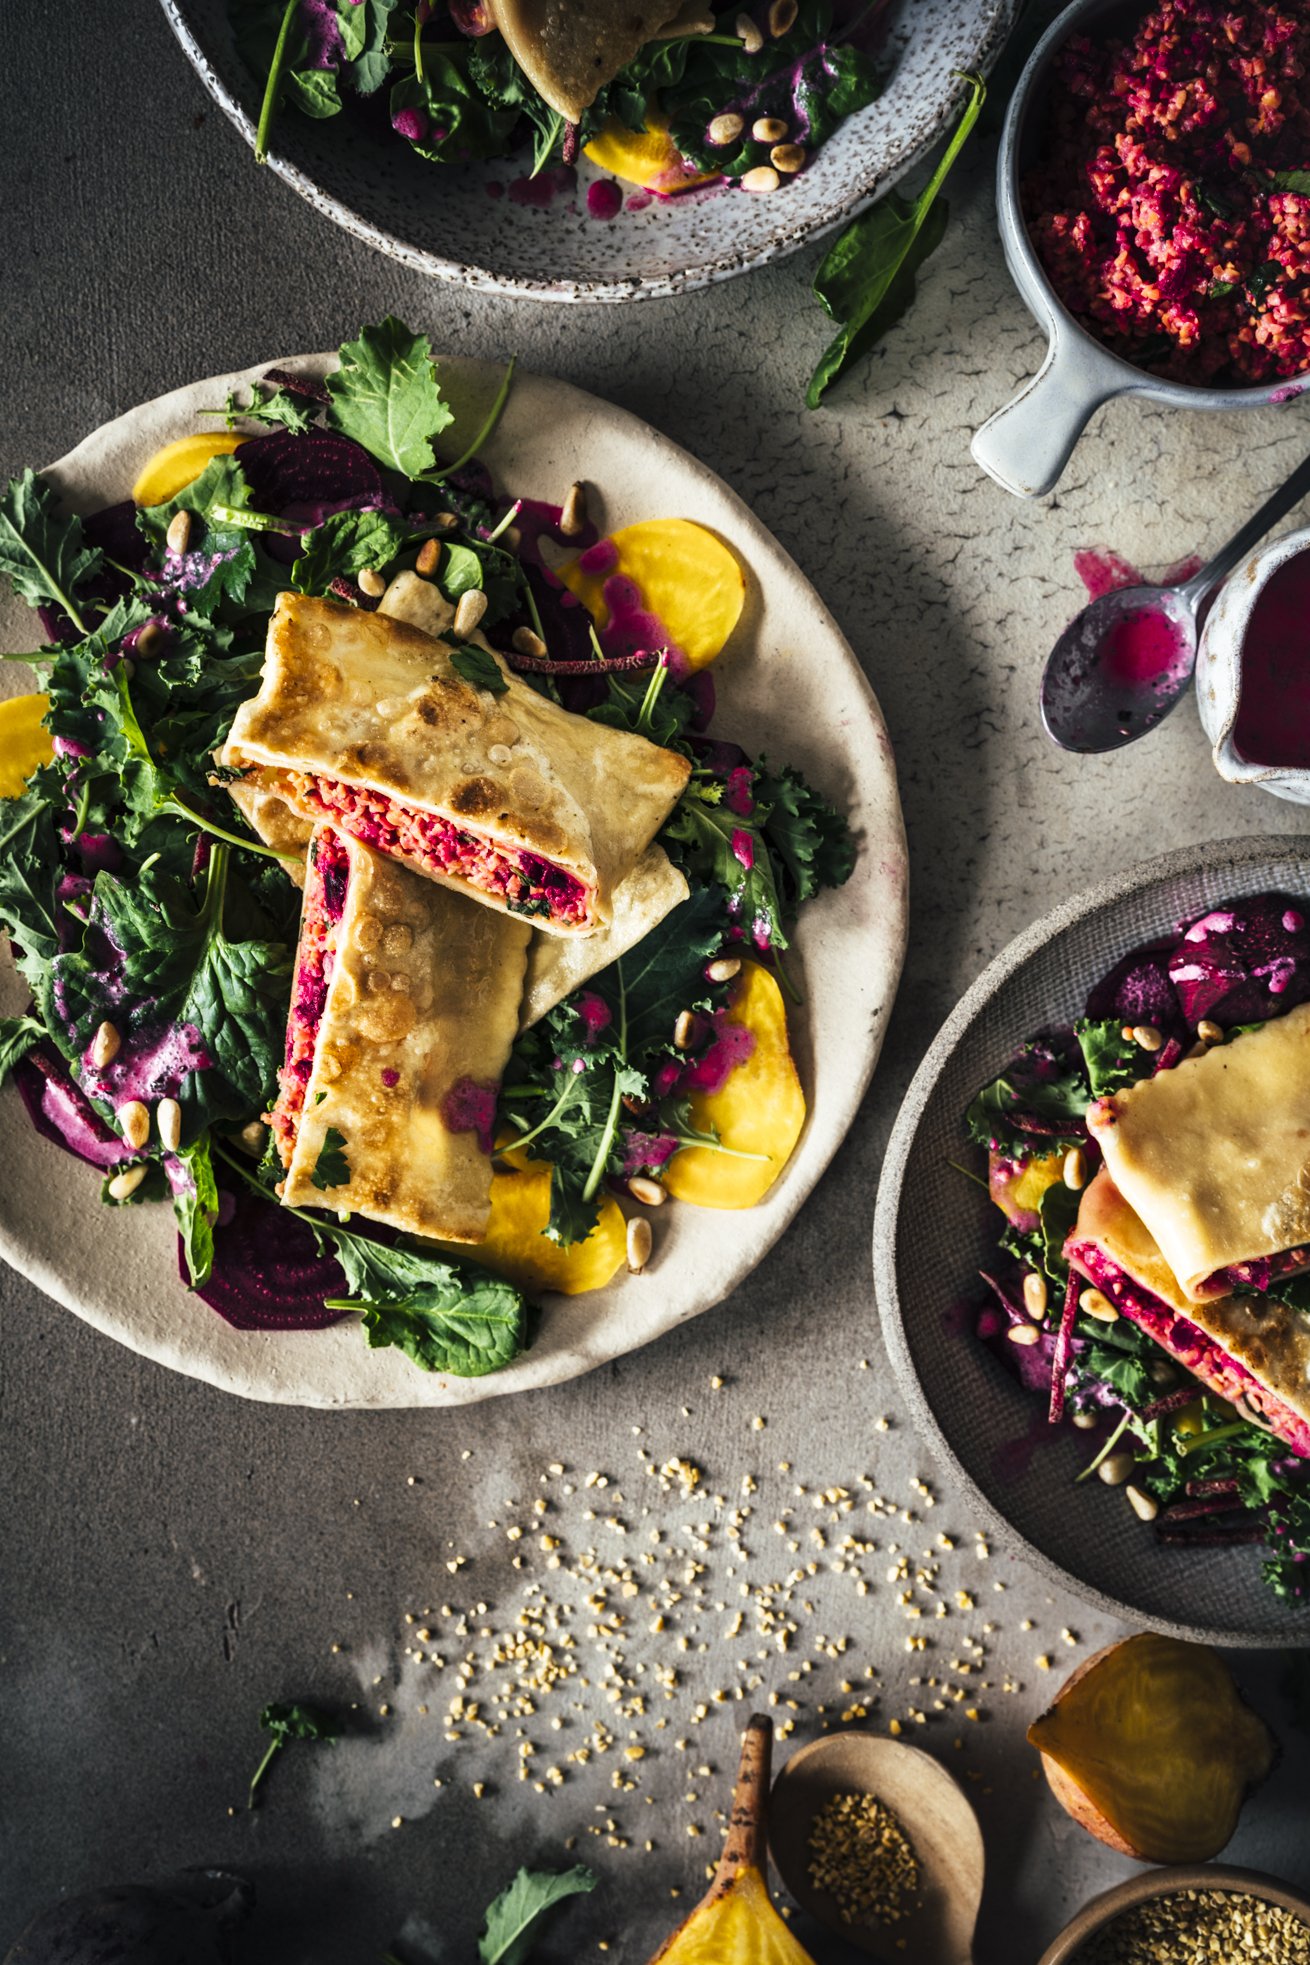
pixel 440 218
pixel 934 1228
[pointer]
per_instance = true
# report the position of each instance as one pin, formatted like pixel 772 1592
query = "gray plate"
pixel 934 1228
pixel 440 219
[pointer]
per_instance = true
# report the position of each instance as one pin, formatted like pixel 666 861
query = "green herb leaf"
pixel 513 1922
pixel 1112 1059
pixel 42 550
pixel 314 92
pixel 343 546
pixel 195 1204
pixel 386 396
pixel 1057 1212
pixel 1040 1082
pixel 286 1722
pixel 332 1168
pixel 284 410
pixel 866 280
pixel 1298 181
pixel 479 668
pixel 17 1036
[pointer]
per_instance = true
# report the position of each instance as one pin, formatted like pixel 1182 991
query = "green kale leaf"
pixel 343 546
pixel 513 1922
pixel 1040 1083
pixel 475 665
pixel 42 549
pixel 332 1168
pixel 287 1721
pixel 386 396
pixel 1112 1059
pixel 17 1036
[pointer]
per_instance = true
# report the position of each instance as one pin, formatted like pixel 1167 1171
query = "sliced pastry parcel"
pixel 436 754
pixel 404 1006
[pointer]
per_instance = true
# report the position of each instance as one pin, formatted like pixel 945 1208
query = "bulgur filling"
pixel 326 880
pixel 526 883
pixel 1171 203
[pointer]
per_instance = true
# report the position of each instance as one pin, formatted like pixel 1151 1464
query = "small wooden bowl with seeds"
pixel 878 1843
pixel 1170 1916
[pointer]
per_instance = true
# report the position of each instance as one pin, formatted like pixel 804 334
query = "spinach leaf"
pixel 513 1922
pixel 386 396
pixel 446 1316
pixel 42 550
pixel 314 92
pixel 866 280
pixel 343 546
pixel 332 1168
pixel 479 668
pixel 1298 181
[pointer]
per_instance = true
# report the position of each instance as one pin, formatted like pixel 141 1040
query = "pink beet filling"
pixel 325 900
pixel 1191 1347
pixel 471 1108
pixel 523 881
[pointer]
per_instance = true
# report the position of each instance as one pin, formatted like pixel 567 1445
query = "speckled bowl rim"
pixel 635 287
pixel 1101 1910
pixel 1091 900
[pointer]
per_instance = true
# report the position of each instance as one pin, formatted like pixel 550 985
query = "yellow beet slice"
pixel 1018 1191
pixel 178 464
pixel 686 589
pixel 25 743
pixel 646 157
pixel 758 1110
pixel 516 1247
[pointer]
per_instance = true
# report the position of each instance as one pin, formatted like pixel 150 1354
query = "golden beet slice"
pixel 677 585
pixel 180 463
pixel 25 743
pixel 758 1111
pixel 1151 1748
pixel 516 1247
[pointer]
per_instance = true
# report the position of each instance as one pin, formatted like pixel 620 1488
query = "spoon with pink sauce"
pixel 1122 664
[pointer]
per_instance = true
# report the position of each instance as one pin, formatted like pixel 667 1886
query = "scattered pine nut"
pixel 371 582
pixel 573 512
pixel 1147 1037
pixel 724 968
pixel 788 158
pixel 168 1117
pixel 1116 1470
pixel 684 1030
pixel 722 131
pixel 105 1046
pixel 472 606
pixel 749 35
pixel 1034 1294
pixel 762 179
pixel 148 640
pixel 782 17
pixel 178 536
pixel 134 1122
pixel 1209 1032
pixel 1084 1421
pixel 125 1183
pixel 429 558
pixel 1162 1373
pixel 1095 1303
pixel 1126 1032
pixel 253 1137
pixel 528 643
pixel 640 1242
pixel 1075 1168
pixel 648 1192
pixel 1144 1506
pixel 1023 1334
pixel 446 521
pixel 769 129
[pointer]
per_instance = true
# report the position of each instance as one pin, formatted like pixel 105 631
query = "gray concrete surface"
pixel 172 1559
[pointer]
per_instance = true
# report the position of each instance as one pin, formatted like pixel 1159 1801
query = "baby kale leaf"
pixel 42 549
pixel 807 834
pixel 1037 1105
pixel 17 1036
pixel 287 1721
pixel 1112 1060
pixel 343 546
pixel 386 396
pixel 332 1168
pixel 444 1315
pixel 513 1921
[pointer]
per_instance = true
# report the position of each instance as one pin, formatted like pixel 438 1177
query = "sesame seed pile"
pixel 861 1856
pixel 1201 1927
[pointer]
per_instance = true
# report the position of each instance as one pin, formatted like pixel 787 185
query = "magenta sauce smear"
pixel 1147 646
pixel 1273 704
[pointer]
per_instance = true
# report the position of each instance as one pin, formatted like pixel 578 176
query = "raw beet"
pixel 268 1273
pixel 1244 964
pixel 185 1920
pixel 61 1112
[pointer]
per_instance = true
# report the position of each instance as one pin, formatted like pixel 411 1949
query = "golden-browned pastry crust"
pixel 569 49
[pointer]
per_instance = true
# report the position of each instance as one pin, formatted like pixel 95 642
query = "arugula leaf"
pixel 331 1169
pixel 195 1204
pixel 42 550
pixel 343 546
pixel 866 280
pixel 1112 1059
pixel 386 396
pixel 479 668
pixel 512 1923
pixel 17 1036
pixel 287 1721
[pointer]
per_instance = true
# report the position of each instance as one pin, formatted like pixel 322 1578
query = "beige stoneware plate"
pixel 118 1268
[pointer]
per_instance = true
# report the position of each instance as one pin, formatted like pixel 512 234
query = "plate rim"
pixel 611 291
pixel 885 856
pixel 1003 966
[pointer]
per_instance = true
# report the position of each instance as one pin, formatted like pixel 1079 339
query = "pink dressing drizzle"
pixel 539 193
pixel 733 1044
pixel 604 199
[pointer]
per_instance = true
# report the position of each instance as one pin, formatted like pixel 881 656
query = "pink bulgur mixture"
pixel 325 898
pixel 1171 204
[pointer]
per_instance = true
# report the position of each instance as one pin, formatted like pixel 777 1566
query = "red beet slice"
pixel 268 1273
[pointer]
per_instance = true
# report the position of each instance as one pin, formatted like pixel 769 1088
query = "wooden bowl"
pixel 1093 1917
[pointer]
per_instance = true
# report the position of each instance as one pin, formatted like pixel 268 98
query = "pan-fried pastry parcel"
pixel 481 784
pixel 570 49
pixel 1215 1154
pixel 404 1008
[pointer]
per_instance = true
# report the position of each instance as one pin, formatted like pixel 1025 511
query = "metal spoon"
pixel 1122 664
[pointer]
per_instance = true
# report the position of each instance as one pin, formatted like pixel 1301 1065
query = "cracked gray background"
pixel 173 1559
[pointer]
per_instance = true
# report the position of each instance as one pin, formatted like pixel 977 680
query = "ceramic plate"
pixel 934 1228
pixel 118 1268
pixel 440 218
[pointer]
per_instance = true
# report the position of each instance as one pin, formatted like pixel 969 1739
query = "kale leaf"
pixel 386 396
pixel 17 1036
pixel 1112 1060
pixel 332 1168
pixel 287 1721
pixel 42 550
pixel 512 1924
pixel 342 546
pixel 476 666
pixel 1040 1084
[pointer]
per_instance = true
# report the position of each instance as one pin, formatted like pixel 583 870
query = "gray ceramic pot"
pixel 1026 445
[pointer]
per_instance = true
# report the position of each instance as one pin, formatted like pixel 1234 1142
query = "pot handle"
pixel 1026 445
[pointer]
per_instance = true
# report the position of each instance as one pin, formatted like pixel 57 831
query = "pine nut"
pixel 528 643
pixel 429 558
pixel 1147 1037
pixel 782 17
pixel 254 1137
pixel 134 1123
pixel 684 1030
pixel 648 1192
pixel 724 968
pixel 1144 1506
pixel 749 35
pixel 168 1118
pixel 178 536
pixel 1034 1295
pixel 1075 1168
pixel 1085 1421
pixel 125 1183
pixel 1209 1032
pixel 573 512
pixel 1162 1373
pixel 640 1242
pixel 788 158
pixel 472 606
pixel 762 179
pixel 768 129
pixel 105 1046
pixel 1096 1304
pixel 1126 1032
pixel 149 640
pixel 722 131
pixel 1115 1470
pixel 371 582
pixel 1024 1334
